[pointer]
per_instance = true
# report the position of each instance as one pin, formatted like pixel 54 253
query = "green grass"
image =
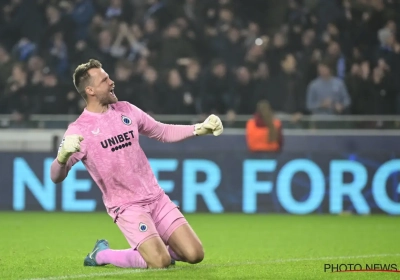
pixel 44 245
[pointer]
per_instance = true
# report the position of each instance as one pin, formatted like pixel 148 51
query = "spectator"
pixel 327 94
pixel 357 83
pixel 382 94
pixel 217 90
pixel 226 19
pixel 81 14
pixel 252 33
pixel 119 9
pixel 288 90
pixel 193 82
pixel 336 59
pixel 176 99
pixel 137 45
pixel 96 25
pixel 277 52
pixel 245 92
pixel 20 19
pixel 57 23
pixel 18 94
pixel 83 51
pixel 35 71
pixel 58 55
pixel 53 94
pixel 207 42
pixel 232 48
pixel 174 46
pixel 151 91
pixel 254 56
pixel 24 49
pixel 264 131
pixel 263 83
pixel 107 54
pixel 187 33
pixel 6 65
pixel 125 84
pixel 152 36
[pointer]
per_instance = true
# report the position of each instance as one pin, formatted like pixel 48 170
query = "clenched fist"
pixel 70 144
pixel 212 125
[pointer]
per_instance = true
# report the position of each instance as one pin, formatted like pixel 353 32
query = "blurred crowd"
pixel 204 56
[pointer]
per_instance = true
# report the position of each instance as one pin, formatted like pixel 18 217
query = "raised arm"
pixel 164 132
pixel 69 153
pixel 59 171
pixel 169 133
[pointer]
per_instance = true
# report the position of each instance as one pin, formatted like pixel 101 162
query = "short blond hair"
pixel 81 76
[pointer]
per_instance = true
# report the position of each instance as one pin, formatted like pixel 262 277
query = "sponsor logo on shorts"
pixel 142 227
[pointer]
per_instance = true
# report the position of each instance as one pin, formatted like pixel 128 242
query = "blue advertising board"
pixel 313 174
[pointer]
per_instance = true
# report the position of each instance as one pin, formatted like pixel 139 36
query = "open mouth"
pixel 112 92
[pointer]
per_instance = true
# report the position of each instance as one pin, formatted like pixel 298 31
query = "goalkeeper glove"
pixel 212 125
pixel 70 145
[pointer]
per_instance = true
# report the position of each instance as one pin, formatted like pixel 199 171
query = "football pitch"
pixel 48 246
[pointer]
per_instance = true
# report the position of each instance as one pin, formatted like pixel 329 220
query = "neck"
pixel 192 77
pixel 289 71
pixel 96 107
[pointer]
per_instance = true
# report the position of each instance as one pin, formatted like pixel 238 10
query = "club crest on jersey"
pixel 126 120
pixel 142 227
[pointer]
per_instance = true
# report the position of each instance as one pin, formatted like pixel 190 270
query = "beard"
pixel 108 98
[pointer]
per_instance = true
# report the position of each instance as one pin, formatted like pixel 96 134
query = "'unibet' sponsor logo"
pixel 119 141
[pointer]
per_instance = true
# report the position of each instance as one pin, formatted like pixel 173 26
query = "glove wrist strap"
pixel 196 127
pixel 63 158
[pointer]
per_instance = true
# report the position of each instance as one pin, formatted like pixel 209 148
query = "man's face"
pixel 50 80
pixel 150 75
pixel 101 86
pixel 289 64
pixel 334 49
pixel 219 70
pixel 173 32
pixel 122 74
pixel 243 75
pixel 324 71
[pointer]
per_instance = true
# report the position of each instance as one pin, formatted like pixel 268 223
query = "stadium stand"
pixel 188 57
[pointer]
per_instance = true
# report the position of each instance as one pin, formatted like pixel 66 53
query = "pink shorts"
pixel 139 223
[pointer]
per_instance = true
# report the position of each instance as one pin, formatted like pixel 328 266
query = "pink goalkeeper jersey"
pixel 112 155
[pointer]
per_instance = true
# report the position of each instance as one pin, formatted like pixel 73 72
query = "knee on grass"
pixel 194 255
pixel 160 261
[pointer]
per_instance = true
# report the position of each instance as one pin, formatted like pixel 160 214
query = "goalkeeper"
pixel 105 137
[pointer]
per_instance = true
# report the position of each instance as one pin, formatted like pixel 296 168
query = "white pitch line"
pixel 133 271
